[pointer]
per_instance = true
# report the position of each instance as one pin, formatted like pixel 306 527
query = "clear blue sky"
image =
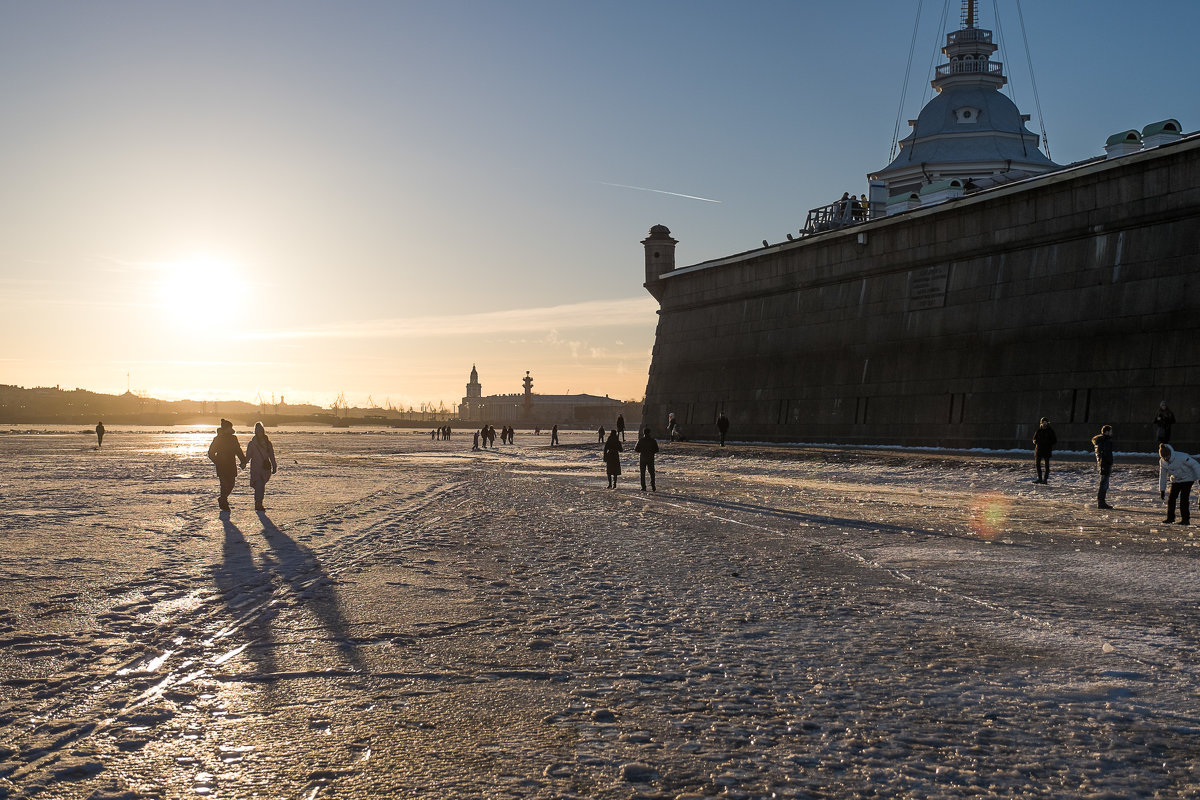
pixel 225 198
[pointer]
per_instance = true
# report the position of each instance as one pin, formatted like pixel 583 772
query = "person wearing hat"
pixel 225 452
pixel 1043 447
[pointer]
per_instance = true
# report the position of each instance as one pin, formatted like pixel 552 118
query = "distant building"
pixel 541 410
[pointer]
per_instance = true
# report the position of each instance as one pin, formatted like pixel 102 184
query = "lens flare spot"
pixel 989 513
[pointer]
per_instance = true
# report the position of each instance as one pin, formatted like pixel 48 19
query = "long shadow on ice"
pixel 253 588
pixel 812 519
pixel 246 589
pixel 299 567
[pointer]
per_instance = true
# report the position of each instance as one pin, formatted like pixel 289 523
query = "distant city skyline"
pixel 226 200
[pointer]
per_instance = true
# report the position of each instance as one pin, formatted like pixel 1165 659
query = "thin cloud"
pixel 658 191
pixel 590 314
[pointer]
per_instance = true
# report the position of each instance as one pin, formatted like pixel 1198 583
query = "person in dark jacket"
pixel 646 447
pixel 225 452
pixel 723 427
pixel 554 435
pixel 1043 447
pixel 1104 461
pixel 1163 422
pixel 621 426
pixel 612 458
pixel 99 434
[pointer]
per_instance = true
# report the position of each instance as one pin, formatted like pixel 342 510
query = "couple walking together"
pixel 226 453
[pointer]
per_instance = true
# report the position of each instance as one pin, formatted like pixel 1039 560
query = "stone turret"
pixel 660 258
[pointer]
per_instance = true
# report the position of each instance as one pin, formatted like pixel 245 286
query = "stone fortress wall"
pixel 1074 295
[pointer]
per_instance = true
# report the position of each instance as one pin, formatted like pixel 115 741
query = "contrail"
pixel 658 191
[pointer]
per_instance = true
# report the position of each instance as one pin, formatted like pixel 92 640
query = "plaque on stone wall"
pixel 927 287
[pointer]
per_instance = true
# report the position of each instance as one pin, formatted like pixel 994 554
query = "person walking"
pixel 1044 440
pixel 612 459
pixel 1163 421
pixel 261 455
pixel 1183 471
pixel 646 447
pixel 600 434
pixel 475 444
pixel 99 434
pixel 621 426
pixel 722 426
pixel 554 436
pixel 1103 446
pixel 225 452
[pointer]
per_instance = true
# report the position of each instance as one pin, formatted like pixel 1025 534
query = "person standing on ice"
pixel 621 426
pixel 1183 471
pixel 1163 421
pixel 646 447
pixel 100 434
pixel 1104 461
pixel 1043 447
pixel 722 427
pixel 261 455
pixel 612 458
pixel 554 436
pixel 225 451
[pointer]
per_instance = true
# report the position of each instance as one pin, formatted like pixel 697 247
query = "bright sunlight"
pixel 201 292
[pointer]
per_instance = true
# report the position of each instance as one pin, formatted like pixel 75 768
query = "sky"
pixel 285 198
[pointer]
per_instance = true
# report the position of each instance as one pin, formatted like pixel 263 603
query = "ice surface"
pixel 410 618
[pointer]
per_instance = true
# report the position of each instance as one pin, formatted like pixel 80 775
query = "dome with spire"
pixel 969 129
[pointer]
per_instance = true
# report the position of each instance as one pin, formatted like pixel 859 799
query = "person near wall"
pixel 554 436
pixel 261 455
pixel 1181 471
pixel 646 447
pixel 1163 421
pixel 1044 440
pixel 722 427
pixel 1103 445
pixel 612 459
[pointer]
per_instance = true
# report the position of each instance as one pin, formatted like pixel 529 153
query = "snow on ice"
pixel 410 618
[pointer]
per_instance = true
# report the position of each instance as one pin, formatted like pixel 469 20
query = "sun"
pixel 201 292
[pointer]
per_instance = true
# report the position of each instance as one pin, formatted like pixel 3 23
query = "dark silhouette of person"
pixel 722 426
pixel 554 436
pixel 1044 440
pixel 99 434
pixel 1162 423
pixel 225 452
pixel 600 434
pixel 261 455
pixel 612 458
pixel 1103 445
pixel 621 426
pixel 646 447
pixel 1183 472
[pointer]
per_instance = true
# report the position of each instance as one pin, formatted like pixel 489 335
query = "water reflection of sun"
pixel 200 292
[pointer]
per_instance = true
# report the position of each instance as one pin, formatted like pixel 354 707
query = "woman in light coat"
pixel 261 454
pixel 1183 472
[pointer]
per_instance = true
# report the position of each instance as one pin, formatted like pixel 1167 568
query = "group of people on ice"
pixel 1177 471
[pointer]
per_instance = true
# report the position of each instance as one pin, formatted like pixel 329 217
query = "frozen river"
pixel 412 619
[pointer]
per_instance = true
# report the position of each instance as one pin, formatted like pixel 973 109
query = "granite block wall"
pixel 1074 296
